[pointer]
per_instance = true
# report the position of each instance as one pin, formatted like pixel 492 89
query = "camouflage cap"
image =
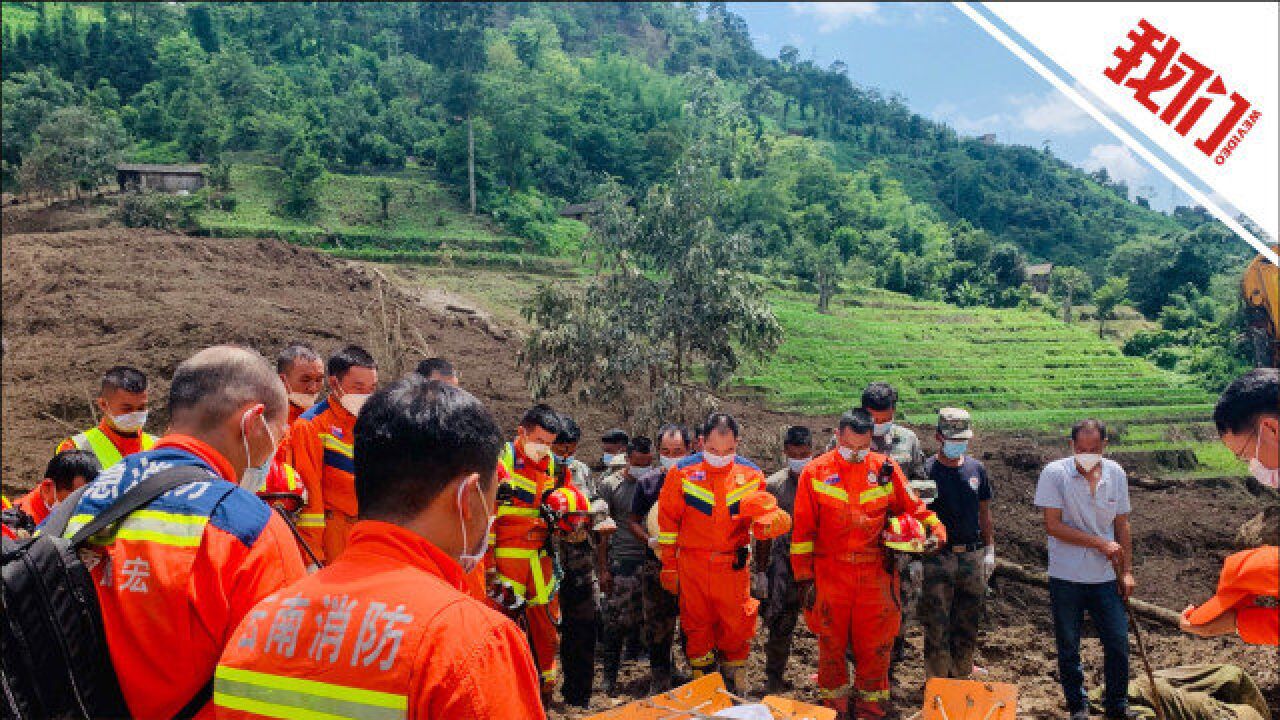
pixel 954 424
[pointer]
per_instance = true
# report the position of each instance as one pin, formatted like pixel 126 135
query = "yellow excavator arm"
pixel 1260 290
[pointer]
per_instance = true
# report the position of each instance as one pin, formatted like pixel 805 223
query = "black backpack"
pixel 55 662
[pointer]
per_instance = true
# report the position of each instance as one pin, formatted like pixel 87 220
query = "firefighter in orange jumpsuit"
pixel 844 501
pixel 519 556
pixel 320 442
pixel 709 504
pixel 388 630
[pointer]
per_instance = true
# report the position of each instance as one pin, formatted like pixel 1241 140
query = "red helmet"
pixel 572 511
pixel 905 534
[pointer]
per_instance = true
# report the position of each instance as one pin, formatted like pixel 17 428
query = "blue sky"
pixel 948 69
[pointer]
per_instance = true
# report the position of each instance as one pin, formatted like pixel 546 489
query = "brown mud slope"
pixel 77 302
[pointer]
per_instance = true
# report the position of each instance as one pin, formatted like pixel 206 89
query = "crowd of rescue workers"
pixel 366 552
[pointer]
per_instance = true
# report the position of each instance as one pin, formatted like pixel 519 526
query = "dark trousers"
pixel 578 630
pixel 1069 601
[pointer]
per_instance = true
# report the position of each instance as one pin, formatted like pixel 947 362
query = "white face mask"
pixel 637 472
pixel 353 402
pixel 1265 475
pixel 467 560
pixel 536 451
pixel 716 461
pixel 881 429
pixel 668 462
pixel 130 422
pixel 795 465
pixel 850 456
pixel 609 458
pixel 1088 461
pixel 255 476
pixel 302 400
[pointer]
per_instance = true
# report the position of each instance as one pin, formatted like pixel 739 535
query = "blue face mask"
pixel 955 449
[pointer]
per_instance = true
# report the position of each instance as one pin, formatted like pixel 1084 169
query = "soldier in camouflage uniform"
pixel 661 608
pixel 955 579
pixel 772 582
pixel 580 612
pixel 900 443
pixel 622 559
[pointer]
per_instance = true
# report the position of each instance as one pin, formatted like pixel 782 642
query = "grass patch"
pixel 421 216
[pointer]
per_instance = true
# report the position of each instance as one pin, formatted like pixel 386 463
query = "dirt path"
pixel 76 302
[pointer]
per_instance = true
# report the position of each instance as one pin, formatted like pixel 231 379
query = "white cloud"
pixel 1121 164
pixel 923 12
pixel 832 16
pixel 965 124
pixel 1052 112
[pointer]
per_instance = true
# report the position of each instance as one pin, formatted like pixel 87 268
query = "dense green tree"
pixel 29 99
pixel 303 170
pixel 1107 298
pixel 1069 286
pixel 74 148
pixel 670 304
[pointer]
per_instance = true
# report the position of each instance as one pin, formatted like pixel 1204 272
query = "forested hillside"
pixel 518 109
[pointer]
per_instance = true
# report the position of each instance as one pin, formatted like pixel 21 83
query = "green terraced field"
pixel 1015 370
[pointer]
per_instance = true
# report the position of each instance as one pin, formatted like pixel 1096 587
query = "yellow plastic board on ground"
pixel 701 699
pixel 946 699
pixel 785 708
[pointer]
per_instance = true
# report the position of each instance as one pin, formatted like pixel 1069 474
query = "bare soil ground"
pixel 83 297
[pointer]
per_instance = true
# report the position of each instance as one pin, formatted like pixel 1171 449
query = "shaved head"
pixel 213 385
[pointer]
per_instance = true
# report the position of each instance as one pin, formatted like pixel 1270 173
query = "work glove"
pixel 989 563
pixel 606 526
pixel 670 580
pixel 760 585
pixel 807 592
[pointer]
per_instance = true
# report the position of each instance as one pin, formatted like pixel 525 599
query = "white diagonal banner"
pixel 1191 88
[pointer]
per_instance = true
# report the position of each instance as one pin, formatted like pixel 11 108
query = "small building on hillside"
pixel 1037 276
pixel 580 211
pixel 987 139
pixel 160 178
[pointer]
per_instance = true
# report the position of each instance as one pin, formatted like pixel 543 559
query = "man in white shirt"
pixel 1085 499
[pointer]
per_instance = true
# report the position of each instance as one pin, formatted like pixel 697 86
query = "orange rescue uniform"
pixel 1249 585
pixel 107 444
pixel 701 530
pixel 33 505
pixel 295 412
pixel 321 443
pixel 176 577
pixel 840 514
pixel 5 530
pixel 518 552
pixel 387 631
pixel 283 479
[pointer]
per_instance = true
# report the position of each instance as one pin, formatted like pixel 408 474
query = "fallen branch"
pixel 1022 574
pixel 60 421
